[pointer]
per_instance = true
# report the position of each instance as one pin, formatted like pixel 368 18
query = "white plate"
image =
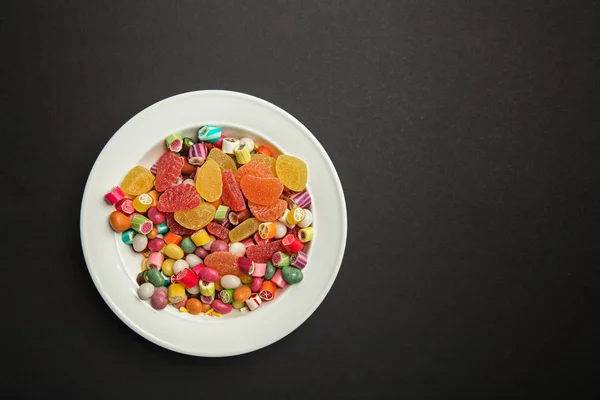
pixel 113 265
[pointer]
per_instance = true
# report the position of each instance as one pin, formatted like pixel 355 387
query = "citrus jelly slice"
pixel 208 181
pixel 292 171
pixel 196 218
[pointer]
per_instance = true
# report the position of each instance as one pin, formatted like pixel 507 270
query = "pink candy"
pixel 208 274
pixel 156 244
pixel 156 216
pixel 256 284
pixel 155 260
pixel 278 280
pixel 259 270
pixel 114 196
pixel 221 307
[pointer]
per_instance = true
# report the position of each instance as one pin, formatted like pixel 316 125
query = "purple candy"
pixel 299 259
pixel 301 200
pixel 219 245
pixel 197 154
pixel 201 252
pixel 154 168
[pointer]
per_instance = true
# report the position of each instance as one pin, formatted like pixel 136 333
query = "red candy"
pixel 291 243
pixel 125 205
pixel 176 228
pixel 232 195
pixel 218 230
pixel 168 169
pixel 180 197
pixel 262 253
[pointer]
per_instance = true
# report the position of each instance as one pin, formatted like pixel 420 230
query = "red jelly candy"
pixel 262 191
pixel 168 169
pixel 232 195
pixel 180 197
pixel 224 262
pixel 262 253
pixel 253 168
pixel 176 228
pixel 219 231
pixel 268 213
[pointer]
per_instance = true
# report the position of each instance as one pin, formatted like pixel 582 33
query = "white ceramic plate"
pixel 113 265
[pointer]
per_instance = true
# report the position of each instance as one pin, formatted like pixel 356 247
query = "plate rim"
pixel 343 232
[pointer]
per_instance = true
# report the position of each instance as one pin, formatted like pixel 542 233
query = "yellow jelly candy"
pixel 224 161
pixel 196 218
pixel 265 159
pixel 292 171
pixel 208 181
pixel 137 181
pixel 244 230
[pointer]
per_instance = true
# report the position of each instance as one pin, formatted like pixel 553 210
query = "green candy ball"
pixel 270 271
pixel 291 274
pixel 188 245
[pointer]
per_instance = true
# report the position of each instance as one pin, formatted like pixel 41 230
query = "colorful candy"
pixel 231 251
pixel 174 142
pixel 197 154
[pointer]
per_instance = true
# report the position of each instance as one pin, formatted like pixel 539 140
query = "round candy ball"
pixel 237 248
pixel 219 245
pixel 159 300
pixel 179 266
pixel 145 291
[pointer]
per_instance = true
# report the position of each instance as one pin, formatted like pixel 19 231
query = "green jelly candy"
pixel 187 245
pixel 270 271
pixel 155 277
pixel 292 274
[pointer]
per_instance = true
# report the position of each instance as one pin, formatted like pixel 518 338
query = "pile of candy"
pixel 221 223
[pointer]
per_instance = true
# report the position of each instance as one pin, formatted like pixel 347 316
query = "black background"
pixel 465 134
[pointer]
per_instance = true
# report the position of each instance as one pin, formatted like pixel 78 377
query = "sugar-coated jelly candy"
pixel 268 213
pixel 168 169
pixel 224 161
pixel 264 159
pixel 244 230
pixel 208 181
pixel 292 171
pixel 263 253
pixel 254 168
pixel 232 195
pixel 224 262
pixel 137 181
pixel 262 191
pixel 196 218
pixel 179 197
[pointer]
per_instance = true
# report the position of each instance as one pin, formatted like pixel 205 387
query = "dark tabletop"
pixel 466 136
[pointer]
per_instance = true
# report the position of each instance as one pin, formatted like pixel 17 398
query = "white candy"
pixel 253 302
pixel 308 219
pixel 248 142
pixel 281 230
pixel 145 291
pixel 210 242
pixel 283 218
pixel 193 259
pixel 194 289
pixel 179 266
pixel 229 144
pixel 140 242
pixel 231 282
pixel 189 181
pixel 237 248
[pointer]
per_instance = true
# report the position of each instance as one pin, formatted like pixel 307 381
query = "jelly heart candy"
pixel 232 195
pixel 168 169
pixel 265 159
pixel 224 161
pixel 244 230
pixel 224 262
pixel 254 168
pixel 208 181
pixel 196 218
pixel 292 171
pixel 137 181
pixel 262 191
pixel 180 197
pixel 268 213
pixel 262 253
